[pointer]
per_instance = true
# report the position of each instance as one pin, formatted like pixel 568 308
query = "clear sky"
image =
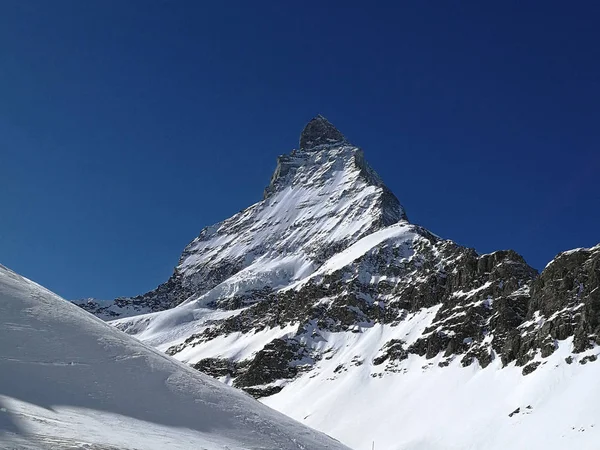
pixel 128 126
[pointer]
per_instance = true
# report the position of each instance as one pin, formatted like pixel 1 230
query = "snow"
pixel 165 328
pixel 69 380
pixel 573 251
pixel 400 232
pixel 472 292
pixel 236 346
pixel 422 406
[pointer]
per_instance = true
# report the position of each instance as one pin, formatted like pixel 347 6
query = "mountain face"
pixel 321 199
pixel 324 301
pixel 68 380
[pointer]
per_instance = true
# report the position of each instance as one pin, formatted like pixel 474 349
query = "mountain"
pixel 325 302
pixel 69 380
pixel 321 199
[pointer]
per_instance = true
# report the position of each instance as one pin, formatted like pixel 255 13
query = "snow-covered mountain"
pixel 324 301
pixel 321 199
pixel 69 380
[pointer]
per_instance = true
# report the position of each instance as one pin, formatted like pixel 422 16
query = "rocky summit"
pixel 324 289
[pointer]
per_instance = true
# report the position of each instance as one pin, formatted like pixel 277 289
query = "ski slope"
pixel 69 380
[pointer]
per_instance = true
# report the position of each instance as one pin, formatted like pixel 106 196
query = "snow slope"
pixel 69 380
pixel 421 406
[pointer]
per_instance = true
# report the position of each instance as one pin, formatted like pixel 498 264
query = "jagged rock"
pixel 564 301
pixel 570 279
pixel 481 354
pixel 94 307
pixel 319 131
pixel 589 358
pixel 529 368
pixel 257 392
pixel 393 351
pixel 516 411
pixel 218 367
pixel 273 362
pixel 245 299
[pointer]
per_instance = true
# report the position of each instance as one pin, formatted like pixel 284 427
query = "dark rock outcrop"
pixel 564 302
pixel 319 131
pixel 279 359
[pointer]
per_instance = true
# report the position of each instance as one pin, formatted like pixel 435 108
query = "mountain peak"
pixel 319 131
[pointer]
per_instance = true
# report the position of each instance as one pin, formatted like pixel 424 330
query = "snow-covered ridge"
pixel 69 380
pixel 580 250
pixel 399 233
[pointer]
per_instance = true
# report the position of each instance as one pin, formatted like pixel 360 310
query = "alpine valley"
pixel 326 303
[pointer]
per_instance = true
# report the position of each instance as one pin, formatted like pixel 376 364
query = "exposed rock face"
pixel 319 131
pixel 167 295
pixel 565 302
pixel 329 252
pixel 279 359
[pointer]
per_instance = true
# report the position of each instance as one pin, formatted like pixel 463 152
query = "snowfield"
pixel 426 407
pixel 69 380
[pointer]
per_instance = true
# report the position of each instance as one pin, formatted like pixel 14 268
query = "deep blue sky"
pixel 127 126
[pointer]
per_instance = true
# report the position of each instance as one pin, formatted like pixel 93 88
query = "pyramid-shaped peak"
pixel 319 131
